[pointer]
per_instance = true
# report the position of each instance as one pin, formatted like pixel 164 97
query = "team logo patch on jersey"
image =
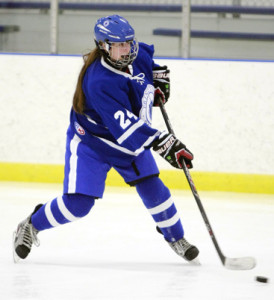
pixel 147 102
pixel 79 128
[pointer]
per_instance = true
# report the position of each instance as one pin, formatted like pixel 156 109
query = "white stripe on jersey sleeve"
pixel 90 120
pixel 129 132
pixel 147 142
pixel 113 145
pixel 125 150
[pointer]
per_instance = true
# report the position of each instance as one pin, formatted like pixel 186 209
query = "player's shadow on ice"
pixel 125 266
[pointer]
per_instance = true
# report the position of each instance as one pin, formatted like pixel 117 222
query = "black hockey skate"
pixel 24 237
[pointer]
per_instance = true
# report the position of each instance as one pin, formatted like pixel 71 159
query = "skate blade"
pixel 195 262
pixel 16 258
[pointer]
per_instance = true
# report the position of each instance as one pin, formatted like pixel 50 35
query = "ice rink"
pixel 116 253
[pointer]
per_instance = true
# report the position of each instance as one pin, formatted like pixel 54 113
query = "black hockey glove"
pixel 161 84
pixel 172 150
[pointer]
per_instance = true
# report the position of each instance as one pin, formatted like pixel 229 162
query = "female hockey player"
pixel 110 126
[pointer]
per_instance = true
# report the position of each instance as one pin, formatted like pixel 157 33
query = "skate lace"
pixel 29 235
pixel 185 244
pixel 34 233
pixel 181 246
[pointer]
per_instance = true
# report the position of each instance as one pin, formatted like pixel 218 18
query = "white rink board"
pixel 222 110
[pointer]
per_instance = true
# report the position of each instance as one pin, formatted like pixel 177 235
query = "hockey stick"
pixel 241 263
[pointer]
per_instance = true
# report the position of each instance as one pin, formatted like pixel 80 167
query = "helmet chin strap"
pixel 104 48
pixel 107 47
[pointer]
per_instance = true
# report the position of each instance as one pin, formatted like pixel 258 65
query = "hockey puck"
pixel 262 279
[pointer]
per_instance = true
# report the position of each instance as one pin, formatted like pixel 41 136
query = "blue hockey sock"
pixel 61 210
pixel 157 199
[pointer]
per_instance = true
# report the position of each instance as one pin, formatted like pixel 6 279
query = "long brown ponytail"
pixel 79 97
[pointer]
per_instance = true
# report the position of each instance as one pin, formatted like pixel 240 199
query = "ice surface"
pixel 116 253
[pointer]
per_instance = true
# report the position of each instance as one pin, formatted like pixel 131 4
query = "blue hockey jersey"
pixel 118 111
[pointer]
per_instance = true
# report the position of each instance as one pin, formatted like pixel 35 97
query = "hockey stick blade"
pixel 241 263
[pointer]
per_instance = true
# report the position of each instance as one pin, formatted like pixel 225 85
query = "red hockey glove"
pixel 161 84
pixel 173 151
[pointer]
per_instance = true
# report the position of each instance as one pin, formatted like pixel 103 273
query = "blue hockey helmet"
pixel 115 29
